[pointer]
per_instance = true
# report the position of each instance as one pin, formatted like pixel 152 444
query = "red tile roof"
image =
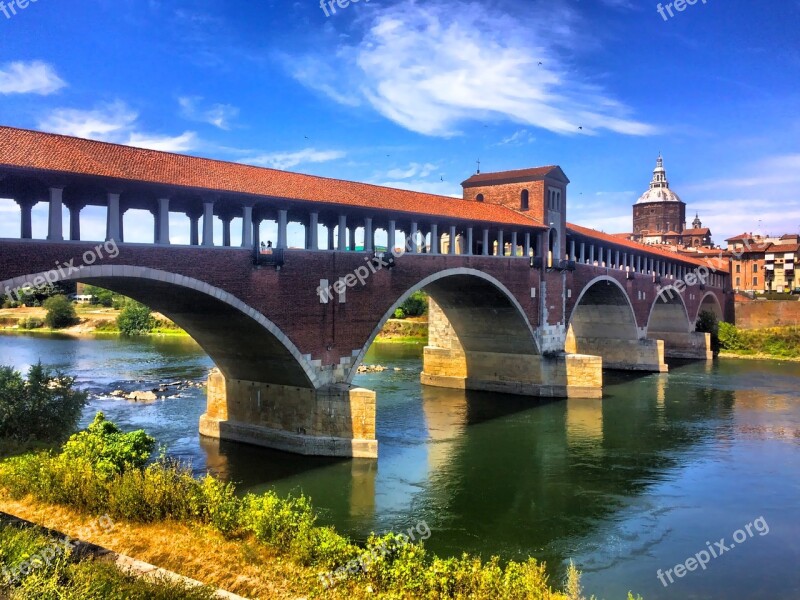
pixel 698 231
pixel 740 238
pixel 27 149
pixel 533 174
pixel 613 239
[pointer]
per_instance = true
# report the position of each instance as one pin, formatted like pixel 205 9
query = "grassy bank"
pixel 260 546
pixel 53 572
pixel 93 320
pixel 405 331
pixel 774 343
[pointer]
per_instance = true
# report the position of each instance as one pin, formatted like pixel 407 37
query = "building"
pixel 659 217
pixel 763 264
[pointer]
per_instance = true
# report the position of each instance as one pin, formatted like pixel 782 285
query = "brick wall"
pixel 767 313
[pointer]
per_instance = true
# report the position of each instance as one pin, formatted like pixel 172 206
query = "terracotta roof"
pixel 780 248
pixel 534 174
pixel 22 148
pixel 741 237
pixel 789 236
pixel 612 239
pixel 698 231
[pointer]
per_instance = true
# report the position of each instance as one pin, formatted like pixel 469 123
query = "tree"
pixel 99 295
pixel 707 323
pixel 415 305
pixel 135 319
pixel 44 408
pixel 60 312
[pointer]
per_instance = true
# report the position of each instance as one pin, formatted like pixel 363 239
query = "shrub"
pixel 100 296
pixel 415 305
pixel 44 408
pixel 107 449
pixel 60 312
pixel 707 323
pixel 729 338
pixel 399 314
pixel 31 323
pixel 135 319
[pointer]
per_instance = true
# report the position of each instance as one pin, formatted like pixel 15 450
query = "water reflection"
pixel 624 485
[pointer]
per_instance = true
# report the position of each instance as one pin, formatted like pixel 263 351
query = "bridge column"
pixel 75 220
pixel 313 231
pixel 342 233
pixel 208 223
pixel 514 246
pixel 452 249
pixel 435 239
pixel 369 235
pixel 485 251
pixel 113 218
pixel 163 221
pixel 501 246
pixel 391 234
pixel 527 244
pixel 26 221
pixel 283 222
pixel 194 228
pixel 469 241
pixel 226 229
pixel 352 245
pixel 336 420
pixel 247 227
pixel 413 236
pixel 55 229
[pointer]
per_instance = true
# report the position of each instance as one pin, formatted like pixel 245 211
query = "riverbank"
pixel 774 343
pixel 101 321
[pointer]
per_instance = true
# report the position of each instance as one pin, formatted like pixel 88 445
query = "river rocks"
pixel 371 369
pixel 118 394
pixel 142 396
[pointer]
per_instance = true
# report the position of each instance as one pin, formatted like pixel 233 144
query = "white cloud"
pixel 431 67
pixel 113 122
pixel 35 77
pixel 518 138
pixel 218 115
pixel 414 170
pixel 287 160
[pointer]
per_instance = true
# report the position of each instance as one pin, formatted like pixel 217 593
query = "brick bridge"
pixel 521 301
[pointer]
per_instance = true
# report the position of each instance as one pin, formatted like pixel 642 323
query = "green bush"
pixel 60 312
pixel 100 296
pixel 707 323
pixel 135 319
pixel 399 314
pixel 107 449
pixel 44 408
pixel 415 305
pixel 31 323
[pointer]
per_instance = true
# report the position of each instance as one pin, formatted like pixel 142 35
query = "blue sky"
pixel 411 94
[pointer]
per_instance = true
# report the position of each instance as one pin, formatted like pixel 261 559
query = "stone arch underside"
pixel 711 303
pixel 669 322
pixel 603 324
pixel 242 343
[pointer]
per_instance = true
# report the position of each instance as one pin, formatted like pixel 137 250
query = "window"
pixel 524 200
pixel 755 268
pixel 738 269
pixel 479 197
pixel 738 281
pixel 755 281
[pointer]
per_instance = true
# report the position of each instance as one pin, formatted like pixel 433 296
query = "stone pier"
pixel 447 364
pixel 337 420
pixel 621 354
pixel 693 345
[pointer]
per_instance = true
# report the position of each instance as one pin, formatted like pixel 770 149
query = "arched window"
pixel 479 197
pixel 523 200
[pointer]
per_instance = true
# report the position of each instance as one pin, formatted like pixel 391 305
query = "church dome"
pixel 659 187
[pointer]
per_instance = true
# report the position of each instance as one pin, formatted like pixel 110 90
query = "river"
pixel 662 469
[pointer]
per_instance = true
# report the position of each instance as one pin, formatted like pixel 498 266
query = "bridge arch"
pixel 669 313
pixel 242 342
pixel 711 303
pixel 466 296
pixel 602 310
